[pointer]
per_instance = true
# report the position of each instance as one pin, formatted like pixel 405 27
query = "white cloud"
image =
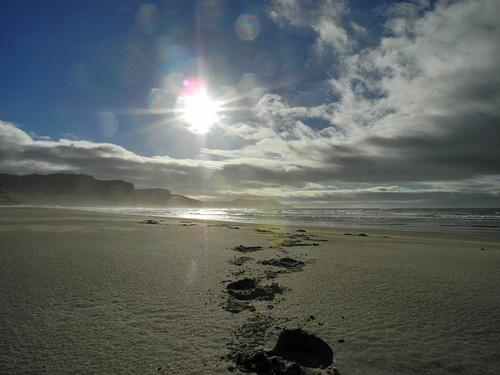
pixel 325 17
pixel 12 135
pixel 424 104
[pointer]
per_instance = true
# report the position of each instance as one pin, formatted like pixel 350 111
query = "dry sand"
pixel 89 293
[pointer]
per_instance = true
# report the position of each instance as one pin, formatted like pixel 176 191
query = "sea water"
pixel 441 220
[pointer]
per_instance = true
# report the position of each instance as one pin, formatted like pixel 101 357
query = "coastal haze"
pixel 86 191
pixel 276 187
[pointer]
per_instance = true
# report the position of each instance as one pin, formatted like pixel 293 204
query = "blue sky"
pixel 328 103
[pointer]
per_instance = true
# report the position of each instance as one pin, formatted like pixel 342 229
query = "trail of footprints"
pixel 254 288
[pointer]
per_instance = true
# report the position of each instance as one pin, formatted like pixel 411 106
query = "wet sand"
pixel 90 293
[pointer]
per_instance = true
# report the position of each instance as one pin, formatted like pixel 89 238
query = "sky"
pixel 316 103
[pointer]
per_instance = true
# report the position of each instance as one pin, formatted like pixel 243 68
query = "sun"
pixel 200 112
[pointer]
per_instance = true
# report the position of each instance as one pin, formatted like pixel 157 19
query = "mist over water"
pixel 440 220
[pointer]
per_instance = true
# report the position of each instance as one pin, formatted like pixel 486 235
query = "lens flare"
pixel 199 111
pixel 148 18
pixel 159 99
pixel 108 124
pixel 247 27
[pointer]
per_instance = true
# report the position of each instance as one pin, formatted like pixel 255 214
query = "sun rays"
pixel 192 106
pixel 199 111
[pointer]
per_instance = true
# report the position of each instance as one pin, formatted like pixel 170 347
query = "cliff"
pixel 82 190
pixel 68 189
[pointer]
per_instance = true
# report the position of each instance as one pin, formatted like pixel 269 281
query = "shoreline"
pixel 489 237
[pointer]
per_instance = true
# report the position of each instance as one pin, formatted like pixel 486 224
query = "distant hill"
pixel 182 201
pixel 151 198
pixel 249 203
pixel 86 191
pixel 67 189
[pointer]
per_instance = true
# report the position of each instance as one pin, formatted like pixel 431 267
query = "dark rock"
pixel 247 249
pixel 303 348
pixel 150 221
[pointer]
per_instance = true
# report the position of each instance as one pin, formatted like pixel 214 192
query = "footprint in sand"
pixel 249 289
pixel 288 263
pixel 240 261
pixel 295 348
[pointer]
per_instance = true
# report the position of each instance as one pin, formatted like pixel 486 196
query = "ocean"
pixel 439 220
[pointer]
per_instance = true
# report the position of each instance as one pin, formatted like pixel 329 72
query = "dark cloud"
pixel 293 183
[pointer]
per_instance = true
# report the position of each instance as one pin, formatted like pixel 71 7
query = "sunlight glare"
pixel 200 112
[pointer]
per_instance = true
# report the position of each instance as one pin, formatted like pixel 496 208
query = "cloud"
pixel 325 17
pixel 422 105
pixel 21 154
pixel 445 195
pixel 411 118
pixel 242 173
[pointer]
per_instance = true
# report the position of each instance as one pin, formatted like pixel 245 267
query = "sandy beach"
pixel 91 293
